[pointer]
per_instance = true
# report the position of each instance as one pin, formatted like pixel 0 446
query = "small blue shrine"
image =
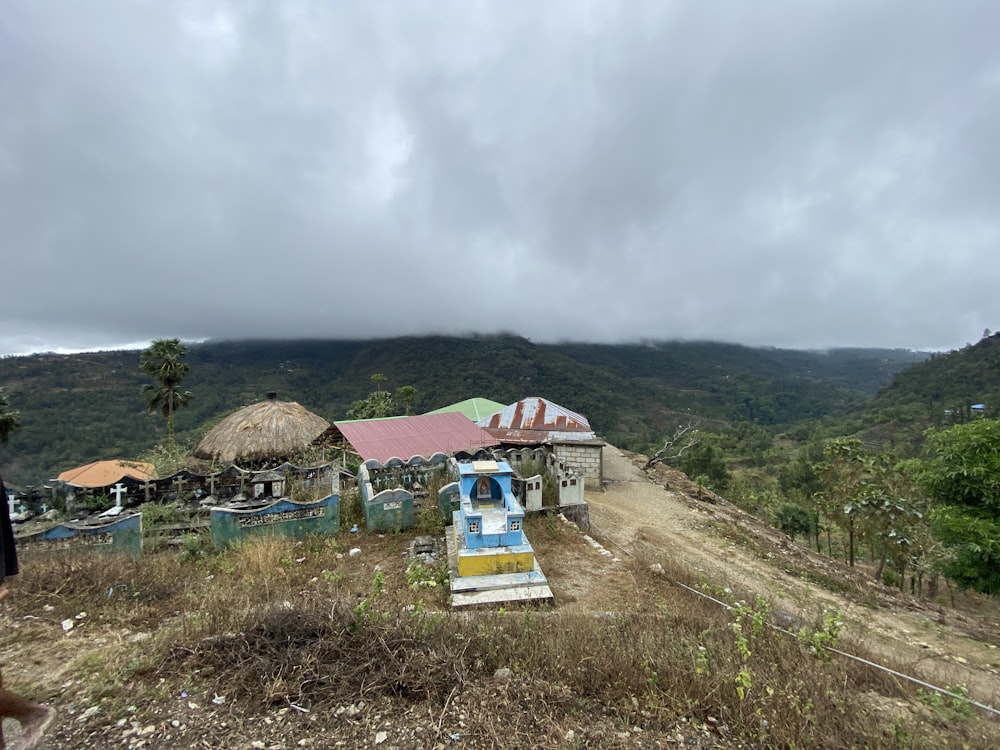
pixel 490 558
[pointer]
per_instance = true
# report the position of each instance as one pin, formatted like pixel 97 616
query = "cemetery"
pixel 474 482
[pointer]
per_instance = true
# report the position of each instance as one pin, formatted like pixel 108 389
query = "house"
pixel 537 422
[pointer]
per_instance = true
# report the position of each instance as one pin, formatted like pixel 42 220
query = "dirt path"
pixel 936 643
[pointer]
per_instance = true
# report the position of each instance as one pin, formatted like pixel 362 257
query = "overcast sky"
pixel 794 173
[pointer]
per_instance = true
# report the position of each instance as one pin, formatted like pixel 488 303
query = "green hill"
pixel 953 381
pixel 83 407
pixel 936 392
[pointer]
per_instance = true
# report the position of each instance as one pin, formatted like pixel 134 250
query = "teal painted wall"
pixel 123 536
pixel 389 510
pixel 284 518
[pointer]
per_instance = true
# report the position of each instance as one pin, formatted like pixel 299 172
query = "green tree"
pixel 163 362
pixel 843 475
pixel 892 511
pixel 10 418
pixel 376 405
pixel 382 403
pixel 406 394
pixel 706 459
pixel 962 474
pixel 793 519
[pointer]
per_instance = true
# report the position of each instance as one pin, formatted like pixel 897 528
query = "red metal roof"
pixel 421 435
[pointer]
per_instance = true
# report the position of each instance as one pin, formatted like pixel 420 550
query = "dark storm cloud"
pixel 789 173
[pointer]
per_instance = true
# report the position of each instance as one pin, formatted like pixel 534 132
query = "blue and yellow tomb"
pixel 490 558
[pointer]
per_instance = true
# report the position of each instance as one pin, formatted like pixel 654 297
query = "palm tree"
pixel 9 418
pixel 406 394
pixel 162 362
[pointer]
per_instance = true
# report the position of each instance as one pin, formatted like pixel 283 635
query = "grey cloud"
pixel 799 174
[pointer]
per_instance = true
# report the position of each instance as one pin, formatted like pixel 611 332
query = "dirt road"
pixel 931 641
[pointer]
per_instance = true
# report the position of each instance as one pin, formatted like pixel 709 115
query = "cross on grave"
pixel 118 491
pixel 10 503
pixel 147 486
pixel 211 484
pixel 180 486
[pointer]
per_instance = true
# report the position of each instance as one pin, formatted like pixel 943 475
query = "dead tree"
pixel 684 438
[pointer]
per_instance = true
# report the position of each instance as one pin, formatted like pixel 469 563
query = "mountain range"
pixel 77 408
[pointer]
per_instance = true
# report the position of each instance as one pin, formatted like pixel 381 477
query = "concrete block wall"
pixel 587 459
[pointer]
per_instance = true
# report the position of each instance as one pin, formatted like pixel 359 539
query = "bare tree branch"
pixel 684 438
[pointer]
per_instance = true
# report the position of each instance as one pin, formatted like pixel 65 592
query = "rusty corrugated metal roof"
pixel 421 435
pixel 536 420
pixel 536 413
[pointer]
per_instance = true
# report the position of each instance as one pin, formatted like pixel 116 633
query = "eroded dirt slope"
pixel 660 515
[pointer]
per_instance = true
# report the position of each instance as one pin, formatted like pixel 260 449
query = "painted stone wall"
pixel 284 517
pixel 123 535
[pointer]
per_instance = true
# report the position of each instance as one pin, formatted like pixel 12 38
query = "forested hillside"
pixel 84 407
pixel 939 391
pixel 947 382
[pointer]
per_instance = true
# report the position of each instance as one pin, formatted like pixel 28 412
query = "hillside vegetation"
pixel 938 392
pixel 84 407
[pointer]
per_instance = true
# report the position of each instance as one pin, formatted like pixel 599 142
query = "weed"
pixel 948 708
pixel 419 575
pixel 819 640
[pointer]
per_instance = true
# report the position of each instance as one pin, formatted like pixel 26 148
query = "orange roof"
pixel 106 473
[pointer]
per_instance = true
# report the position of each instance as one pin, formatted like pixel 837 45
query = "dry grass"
pixel 288 631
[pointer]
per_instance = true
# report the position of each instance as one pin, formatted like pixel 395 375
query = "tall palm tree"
pixel 162 361
pixel 9 418
pixel 406 394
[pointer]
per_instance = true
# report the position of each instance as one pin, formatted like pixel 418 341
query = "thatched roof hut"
pixel 268 430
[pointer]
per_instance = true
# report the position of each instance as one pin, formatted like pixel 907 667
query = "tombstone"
pixel 286 518
pixel 266 484
pixel 533 493
pixel 389 510
pixel 449 500
pixel 570 490
pixel 489 557
pixel 120 535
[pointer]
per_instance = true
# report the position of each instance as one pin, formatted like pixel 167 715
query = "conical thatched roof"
pixel 270 429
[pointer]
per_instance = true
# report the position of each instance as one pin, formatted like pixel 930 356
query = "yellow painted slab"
pixel 479 564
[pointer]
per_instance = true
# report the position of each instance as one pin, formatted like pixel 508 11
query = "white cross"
pixel 10 502
pixel 118 491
